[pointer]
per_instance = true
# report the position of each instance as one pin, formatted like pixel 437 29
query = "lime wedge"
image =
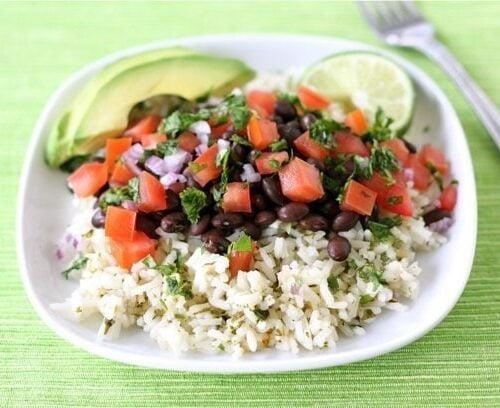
pixel 367 81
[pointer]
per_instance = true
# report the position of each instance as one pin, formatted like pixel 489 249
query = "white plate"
pixel 44 210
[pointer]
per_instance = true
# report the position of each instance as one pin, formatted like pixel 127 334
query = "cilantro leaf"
pixel 196 167
pixel 384 160
pixel 261 314
pixel 381 229
pixel 174 282
pixel 364 299
pixel 116 195
pixel 242 244
pixel 380 130
pixel 240 140
pixel 322 130
pixel 178 121
pixel 275 164
pixel 77 265
pixel 233 106
pixel 278 146
pixel 290 98
pixel 371 274
pixel 222 160
pixel 193 201
pixel 333 283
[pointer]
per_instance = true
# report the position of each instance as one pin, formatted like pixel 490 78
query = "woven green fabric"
pixel 458 363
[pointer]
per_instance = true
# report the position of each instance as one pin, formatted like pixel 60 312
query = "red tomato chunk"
pixel 88 179
pixel 237 198
pixel 301 181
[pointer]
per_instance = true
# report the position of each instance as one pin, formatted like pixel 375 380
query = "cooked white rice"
pixel 289 281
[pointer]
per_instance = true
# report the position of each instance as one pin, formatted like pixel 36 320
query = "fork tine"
pixel 372 18
pixel 409 8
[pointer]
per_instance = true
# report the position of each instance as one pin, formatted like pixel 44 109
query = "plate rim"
pixel 236 366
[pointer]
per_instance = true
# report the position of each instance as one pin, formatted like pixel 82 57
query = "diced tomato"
pixel 237 198
pixel 240 261
pixel 145 126
pixel 347 143
pixel 262 132
pixel 266 165
pixel 379 183
pixel 205 169
pixel 188 141
pixel 88 179
pixel 151 140
pixel 115 148
pixel 310 148
pixel 311 99
pixel 128 253
pixel 358 198
pixel 261 101
pixel 218 130
pixel 120 223
pixel 397 200
pixel 421 175
pixel 121 174
pixel 398 147
pixel 448 198
pixel 301 181
pixel 356 121
pixel 429 155
pixel 152 195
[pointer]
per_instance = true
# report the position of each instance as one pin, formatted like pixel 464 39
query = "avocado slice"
pixel 102 111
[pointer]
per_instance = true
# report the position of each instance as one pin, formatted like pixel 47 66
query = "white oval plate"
pixel 44 210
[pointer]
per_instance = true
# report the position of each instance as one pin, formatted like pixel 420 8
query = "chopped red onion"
pixel 133 167
pixel 133 153
pixel 201 148
pixel 200 128
pixel 442 225
pixel 129 205
pixel 409 174
pixel 223 144
pixel 59 254
pixel 175 162
pixel 249 174
pixel 170 178
pixel 156 165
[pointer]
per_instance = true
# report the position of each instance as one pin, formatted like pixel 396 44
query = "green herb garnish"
pixel 77 265
pixel 242 244
pixel 380 130
pixel 177 122
pixel 322 130
pixel 116 195
pixel 364 299
pixel 278 146
pixel 222 160
pixel 395 200
pixel 233 106
pixel 196 167
pixel 275 164
pixel 149 262
pixel 371 274
pixel 290 98
pixel 381 229
pixel 333 283
pixel 240 140
pixel 261 314
pixel 193 201
pixel 174 282
pixel 435 175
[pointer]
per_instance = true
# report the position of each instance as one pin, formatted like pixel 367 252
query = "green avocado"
pixel 102 109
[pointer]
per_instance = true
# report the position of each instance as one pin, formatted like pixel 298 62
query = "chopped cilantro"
pixel 116 195
pixel 196 167
pixel 193 201
pixel 371 274
pixel 174 282
pixel 275 164
pixel 290 98
pixel 333 283
pixel 166 148
pixel 380 130
pixel 351 264
pixel 149 262
pixel 242 244
pixel 240 140
pixel 333 185
pixel 222 160
pixel 322 130
pixel 261 314
pixel 77 265
pixel 233 106
pixel 436 175
pixel 384 161
pixel 395 200
pixel 364 299
pixel 279 145
pixel 178 121
pixel 381 230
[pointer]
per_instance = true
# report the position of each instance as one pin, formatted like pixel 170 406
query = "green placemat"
pixel 458 363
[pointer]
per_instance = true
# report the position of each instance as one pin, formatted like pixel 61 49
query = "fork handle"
pixel 482 104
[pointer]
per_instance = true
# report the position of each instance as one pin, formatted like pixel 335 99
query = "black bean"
pixel 330 208
pixel 174 222
pixel 285 110
pixel 173 201
pixel 316 163
pixel 293 212
pixel 339 248
pixel 98 218
pixel 252 230
pixel 265 218
pixel 410 146
pixel 314 222
pixel 435 215
pixel 215 242
pixel 238 153
pixel 227 221
pixel 201 226
pixel 306 121
pixel 259 202
pixel 272 189
pixel 290 131
pixel 344 221
pixel 147 224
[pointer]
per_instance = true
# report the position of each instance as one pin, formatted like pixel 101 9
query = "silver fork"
pixel 400 24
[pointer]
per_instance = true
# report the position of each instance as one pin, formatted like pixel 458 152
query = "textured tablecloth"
pixel 458 363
